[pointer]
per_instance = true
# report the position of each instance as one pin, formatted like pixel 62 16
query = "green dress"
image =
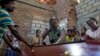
pixel 54 35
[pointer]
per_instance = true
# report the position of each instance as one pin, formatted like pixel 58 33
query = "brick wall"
pixel 24 15
pixel 60 8
pixel 33 2
pixel 66 9
pixel 38 25
pixel 86 9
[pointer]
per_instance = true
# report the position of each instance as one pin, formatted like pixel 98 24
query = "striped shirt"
pixel 5 20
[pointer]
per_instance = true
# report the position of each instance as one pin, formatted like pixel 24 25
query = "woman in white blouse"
pixel 93 33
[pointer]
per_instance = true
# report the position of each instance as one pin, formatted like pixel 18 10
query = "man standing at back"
pixel 7 23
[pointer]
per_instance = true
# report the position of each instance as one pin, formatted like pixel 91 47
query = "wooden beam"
pixel 35 6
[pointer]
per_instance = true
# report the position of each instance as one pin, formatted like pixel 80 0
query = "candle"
pixel 67 53
pixel 32 50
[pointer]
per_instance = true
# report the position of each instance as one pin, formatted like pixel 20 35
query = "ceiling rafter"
pixel 35 6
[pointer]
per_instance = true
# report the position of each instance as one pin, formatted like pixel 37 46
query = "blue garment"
pixel 10 53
